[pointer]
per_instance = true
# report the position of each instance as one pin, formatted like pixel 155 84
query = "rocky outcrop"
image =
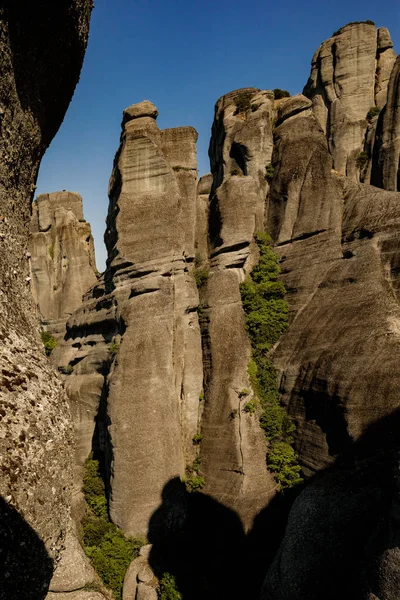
pixel 135 343
pixel 349 75
pixel 62 260
pixel 159 369
pixel 233 448
pixel 338 242
pixel 386 171
pixel 42 48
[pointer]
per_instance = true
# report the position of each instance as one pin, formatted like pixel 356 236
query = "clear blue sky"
pixel 183 55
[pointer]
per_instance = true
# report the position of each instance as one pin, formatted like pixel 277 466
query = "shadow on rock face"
pixel 342 538
pixel 25 566
pixel 199 541
pixel 335 536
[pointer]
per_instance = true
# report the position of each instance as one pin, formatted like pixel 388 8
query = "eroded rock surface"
pixel 135 343
pixel 42 48
pixel 62 259
pixel 233 449
pixel 387 151
pixel 339 245
pixel 349 75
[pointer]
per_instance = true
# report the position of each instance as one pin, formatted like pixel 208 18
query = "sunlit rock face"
pixel 42 48
pixel 154 361
pixel 349 75
pixel 62 259
pixel 339 247
pixel 135 343
pixel 386 165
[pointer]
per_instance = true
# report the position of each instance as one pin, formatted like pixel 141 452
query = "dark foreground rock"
pixel 42 45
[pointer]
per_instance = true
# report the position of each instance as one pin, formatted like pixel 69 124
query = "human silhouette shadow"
pixel 25 567
pixel 200 542
pixel 324 538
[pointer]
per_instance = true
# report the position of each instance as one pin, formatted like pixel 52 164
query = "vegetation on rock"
pixel 362 160
pixel 266 320
pixel 66 370
pixel 193 479
pixel 110 552
pixel 197 438
pixel 168 589
pixel 198 260
pixel 114 348
pixel 269 172
pixel 243 102
pixel 278 94
pixel 49 342
pixel 352 23
pixel 200 276
pixel 373 111
pixel 251 406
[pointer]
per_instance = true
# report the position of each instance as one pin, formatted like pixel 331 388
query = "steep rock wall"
pixel 62 260
pixel 135 342
pixel 42 47
pixel 339 247
pixel 349 75
pixel 234 448
pixel 386 158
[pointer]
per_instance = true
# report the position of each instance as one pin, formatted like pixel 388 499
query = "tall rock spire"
pixel 137 334
pixel 62 257
pixel 349 76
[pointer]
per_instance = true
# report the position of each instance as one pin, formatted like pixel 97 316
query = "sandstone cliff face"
pixel 386 171
pixel 135 343
pixel 156 361
pixel 234 448
pixel 349 75
pixel 62 260
pixel 42 47
pixel 338 242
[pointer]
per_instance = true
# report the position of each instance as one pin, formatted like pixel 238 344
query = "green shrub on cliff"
pixel 373 111
pixel 243 102
pixel 282 462
pixel 49 342
pixel 278 94
pixel 269 172
pixel 266 320
pixel 114 348
pixel 168 589
pixel 110 552
pixel 194 480
pixel 200 276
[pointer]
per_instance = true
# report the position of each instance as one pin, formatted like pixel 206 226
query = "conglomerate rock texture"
pixel 62 261
pixel 42 45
